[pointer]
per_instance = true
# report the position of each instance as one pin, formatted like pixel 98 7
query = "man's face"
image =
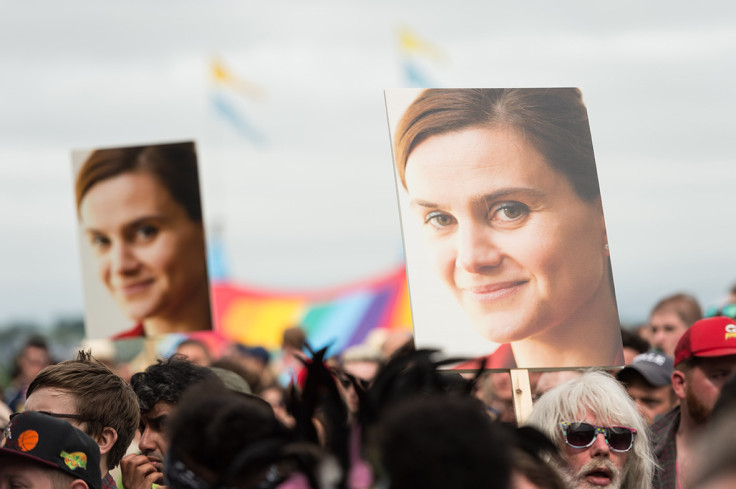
pixel 651 401
pixel 703 385
pixel 153 443
pixel 18 473
pixel 596 466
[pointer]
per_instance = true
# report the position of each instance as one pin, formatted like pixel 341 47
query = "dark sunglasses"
pixel 583 435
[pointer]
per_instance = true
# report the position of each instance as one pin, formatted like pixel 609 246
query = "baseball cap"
pixel 654 366
pixel 52 442
pixel 709 337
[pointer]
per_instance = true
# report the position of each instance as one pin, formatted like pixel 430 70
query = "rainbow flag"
pixel 337 318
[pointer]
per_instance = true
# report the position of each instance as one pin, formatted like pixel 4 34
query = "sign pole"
pixel 522 394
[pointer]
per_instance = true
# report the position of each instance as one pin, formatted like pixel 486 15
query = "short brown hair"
pixel 685 306
pixel 103 399
pixel 553 120
pixel 173 165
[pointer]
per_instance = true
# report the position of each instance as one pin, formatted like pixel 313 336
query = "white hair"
pixel 598 393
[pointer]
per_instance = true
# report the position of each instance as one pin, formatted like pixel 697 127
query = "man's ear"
pixel 107 439
pixel 679 383
pixel 78 484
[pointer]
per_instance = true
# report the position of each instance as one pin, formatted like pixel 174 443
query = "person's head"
pixel 33 357
pixel 670 318
pixel 705 357
pixel 226 440
pixel 504 184
pixel 91 397
pixel 443 441
pixel 159 389
pixel 38 451
pixel 601 434
pixel 195 351
pixel 633 345
pixel 648 380
pixel 140 209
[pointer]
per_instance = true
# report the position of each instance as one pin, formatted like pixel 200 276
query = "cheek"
pixel 442 255
pixel 619 459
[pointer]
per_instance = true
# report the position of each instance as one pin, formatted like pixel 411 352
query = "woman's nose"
pixel 476 248
pixel 123 259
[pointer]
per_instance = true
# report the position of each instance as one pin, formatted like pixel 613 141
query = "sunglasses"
pixel 583 435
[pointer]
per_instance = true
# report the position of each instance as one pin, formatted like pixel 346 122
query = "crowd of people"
pixel 380 415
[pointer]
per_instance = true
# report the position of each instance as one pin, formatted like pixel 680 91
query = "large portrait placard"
pixel 506 245
pixel 142 240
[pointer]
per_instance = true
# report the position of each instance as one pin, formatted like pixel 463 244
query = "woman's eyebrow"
pixel 507 191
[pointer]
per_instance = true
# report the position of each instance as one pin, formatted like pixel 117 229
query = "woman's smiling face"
pixel 149 252
pixel 517 247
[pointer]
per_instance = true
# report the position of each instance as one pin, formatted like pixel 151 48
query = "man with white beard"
pixel 601 435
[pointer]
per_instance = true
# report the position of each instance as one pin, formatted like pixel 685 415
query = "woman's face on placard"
pixel 150 254
pixel 517 247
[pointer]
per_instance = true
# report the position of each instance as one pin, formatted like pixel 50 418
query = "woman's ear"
pixel 107 439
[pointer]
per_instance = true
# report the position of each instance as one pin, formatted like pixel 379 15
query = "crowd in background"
pixel 382 414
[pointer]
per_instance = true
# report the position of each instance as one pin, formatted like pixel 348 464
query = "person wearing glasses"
pixel 503 185
pixel 91 397
pixel 601 435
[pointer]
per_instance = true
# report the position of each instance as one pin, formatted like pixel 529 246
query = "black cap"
pixel 52 442
pixel 654 366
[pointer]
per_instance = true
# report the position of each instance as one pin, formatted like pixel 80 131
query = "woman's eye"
pixel 509 211
pixel 439 219
pixel 146 232
pixel 99 241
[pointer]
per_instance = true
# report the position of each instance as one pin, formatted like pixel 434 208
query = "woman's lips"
pixel 135 288
pixel 493 292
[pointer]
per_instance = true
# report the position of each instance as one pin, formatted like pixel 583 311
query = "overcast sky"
pixel 314 204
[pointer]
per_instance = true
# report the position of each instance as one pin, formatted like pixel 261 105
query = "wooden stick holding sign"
pixel 522 394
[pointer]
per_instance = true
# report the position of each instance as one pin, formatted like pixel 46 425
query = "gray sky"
pixel 315 205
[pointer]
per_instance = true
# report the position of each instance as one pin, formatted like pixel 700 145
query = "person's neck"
pixel 191 314
pixel 590 337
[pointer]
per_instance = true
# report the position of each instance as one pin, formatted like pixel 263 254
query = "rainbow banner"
pixel 339 318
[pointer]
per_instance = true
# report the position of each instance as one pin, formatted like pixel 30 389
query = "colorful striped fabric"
pixel 339 318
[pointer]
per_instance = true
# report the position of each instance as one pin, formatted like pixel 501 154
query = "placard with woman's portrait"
pixel 506 245
pixel 142 240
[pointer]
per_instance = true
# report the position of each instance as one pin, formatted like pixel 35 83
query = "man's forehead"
pixel 727 361
pixel 52 399
pixel 161 408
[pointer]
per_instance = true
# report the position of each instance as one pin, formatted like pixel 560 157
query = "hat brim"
pixel 7 452
pixel 650 373
pixel 716 352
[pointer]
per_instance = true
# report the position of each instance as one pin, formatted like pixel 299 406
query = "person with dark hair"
pixel 633 345
pixel 139 208
pixel 219 439
pixel 441 441
pixel 705 357
pixel 603 438
pixel 94 399
pixel 158 389
pixel 33 357
pixel 38 451
pixel 669 320
pixel 505 187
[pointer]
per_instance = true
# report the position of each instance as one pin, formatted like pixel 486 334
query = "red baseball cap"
pixel 709 337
